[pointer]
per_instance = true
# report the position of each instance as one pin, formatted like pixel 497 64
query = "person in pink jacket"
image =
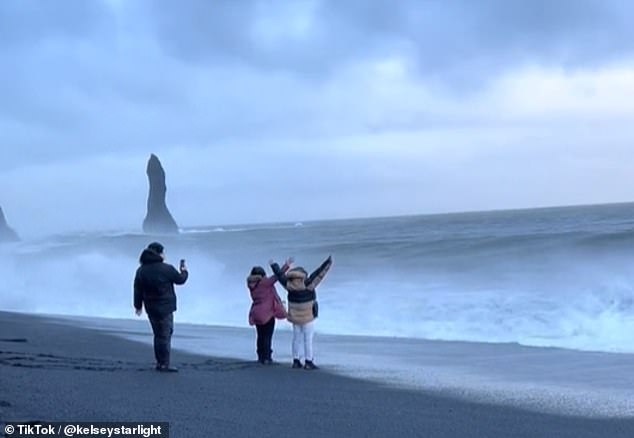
pixel 266 307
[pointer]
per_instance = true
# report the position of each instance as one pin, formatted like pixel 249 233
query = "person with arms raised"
pixel 302 307
pixel 266 306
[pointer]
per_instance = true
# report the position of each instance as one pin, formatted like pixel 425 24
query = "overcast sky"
pixel 299 110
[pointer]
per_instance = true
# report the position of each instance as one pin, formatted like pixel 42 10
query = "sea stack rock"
pixel 6 233
pixel 158 218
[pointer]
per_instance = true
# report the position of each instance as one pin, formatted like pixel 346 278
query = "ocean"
pixel 555 277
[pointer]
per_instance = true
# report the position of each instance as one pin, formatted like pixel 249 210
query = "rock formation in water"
pixel 158 218
pixel 6 233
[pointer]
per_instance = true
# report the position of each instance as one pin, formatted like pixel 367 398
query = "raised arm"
pixel 318 275
pixel 270 281
pixel 280 274
pixel 178 277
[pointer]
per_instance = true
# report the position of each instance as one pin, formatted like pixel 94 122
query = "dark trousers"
pixel 265 335
pixel 163 327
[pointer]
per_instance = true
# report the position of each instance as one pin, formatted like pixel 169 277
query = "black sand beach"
pixel 51 370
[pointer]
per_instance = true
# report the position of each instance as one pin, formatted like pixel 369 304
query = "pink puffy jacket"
pixel 266 302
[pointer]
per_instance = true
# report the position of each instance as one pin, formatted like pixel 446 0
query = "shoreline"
pixel 543 379
pixel 65 372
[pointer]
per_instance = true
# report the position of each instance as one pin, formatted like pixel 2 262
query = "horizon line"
pixel 439 213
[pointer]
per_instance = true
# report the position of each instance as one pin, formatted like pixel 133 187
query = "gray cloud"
pixel 30 22
pixel 93 74
pixel 460 39
pixel 83 80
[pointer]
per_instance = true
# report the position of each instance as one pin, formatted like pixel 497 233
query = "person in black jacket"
pixel 154 288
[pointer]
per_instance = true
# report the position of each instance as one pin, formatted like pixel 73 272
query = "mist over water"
pixel 551 277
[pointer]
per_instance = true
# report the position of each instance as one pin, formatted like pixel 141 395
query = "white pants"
pixel 303 334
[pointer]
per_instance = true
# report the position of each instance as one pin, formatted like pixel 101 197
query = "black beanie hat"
pixel 156 247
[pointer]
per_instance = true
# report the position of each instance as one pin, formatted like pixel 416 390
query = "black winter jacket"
pixel 154 284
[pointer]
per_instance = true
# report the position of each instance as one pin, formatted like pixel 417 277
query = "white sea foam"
pixel 92 282
pixel 472 280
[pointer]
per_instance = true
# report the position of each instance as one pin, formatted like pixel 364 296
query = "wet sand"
pixel 54 370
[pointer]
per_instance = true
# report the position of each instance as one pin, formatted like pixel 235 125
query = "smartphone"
pixel 182 265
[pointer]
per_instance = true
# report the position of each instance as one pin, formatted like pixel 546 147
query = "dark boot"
pixel 166 369
pixel 296 363
pixel 310 365
pixel 261 358
pixel 268 360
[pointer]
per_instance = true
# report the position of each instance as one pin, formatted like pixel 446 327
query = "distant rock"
pixel 158 218
pixel 6 233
